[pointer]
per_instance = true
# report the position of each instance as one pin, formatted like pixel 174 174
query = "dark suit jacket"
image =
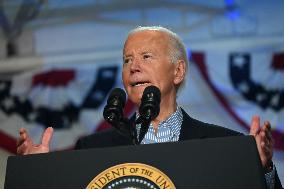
pixel 190 129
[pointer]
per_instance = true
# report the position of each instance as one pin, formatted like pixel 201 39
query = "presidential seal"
pixel 131 176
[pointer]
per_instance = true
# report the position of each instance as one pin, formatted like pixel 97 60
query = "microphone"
pixel 113 111
pixel 113 114
pixel 149 109
pixel 150 103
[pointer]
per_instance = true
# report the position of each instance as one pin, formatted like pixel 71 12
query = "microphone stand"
pixel 143 130
pixel 126 128
pixel 145 121
pixel 130 128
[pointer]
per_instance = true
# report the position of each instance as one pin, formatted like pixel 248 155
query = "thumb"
pixel 46 137
pixel 255 125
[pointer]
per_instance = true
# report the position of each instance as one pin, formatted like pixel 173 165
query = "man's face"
pixel 147 62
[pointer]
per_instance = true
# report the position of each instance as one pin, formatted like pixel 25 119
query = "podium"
pixel 229 162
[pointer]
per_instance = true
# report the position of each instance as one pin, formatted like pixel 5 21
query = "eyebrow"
pixel 146 52
pixel 127 56
pixel 142 53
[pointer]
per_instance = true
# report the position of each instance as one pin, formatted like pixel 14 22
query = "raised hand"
pixel 25 145
pixel 264 141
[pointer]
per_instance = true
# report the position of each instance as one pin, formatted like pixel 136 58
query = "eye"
pixel 146 56
pixel 126 60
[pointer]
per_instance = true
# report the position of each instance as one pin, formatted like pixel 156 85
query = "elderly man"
pixel 156 56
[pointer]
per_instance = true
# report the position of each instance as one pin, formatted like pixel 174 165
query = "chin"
pixel 135 98
pixel 135 93
pixel 139 90
pixel 135 101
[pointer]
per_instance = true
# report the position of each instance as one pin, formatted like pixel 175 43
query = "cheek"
pixel 166 79
pixel 165 74
pixel 124 77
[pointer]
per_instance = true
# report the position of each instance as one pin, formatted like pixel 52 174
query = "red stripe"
pixel 54 78
pixel 8 143
pixel 278 61
pixel 200 63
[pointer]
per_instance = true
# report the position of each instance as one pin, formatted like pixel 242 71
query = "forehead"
pixel 146 40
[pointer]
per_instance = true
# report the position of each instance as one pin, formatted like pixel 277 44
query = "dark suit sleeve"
pixel 277 182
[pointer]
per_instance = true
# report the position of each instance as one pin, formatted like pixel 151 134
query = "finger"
pixel 255 126
pixel 46 137
pixel 266 127
pixel 20 141
pixel 21 149
pixel 262 141
pixel 23 136
pixel 22 130
pixel 266 136
pixel 267 150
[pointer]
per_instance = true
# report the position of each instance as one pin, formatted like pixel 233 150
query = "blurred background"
pixel 60 58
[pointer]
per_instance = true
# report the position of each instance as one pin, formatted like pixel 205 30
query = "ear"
pixel 180 69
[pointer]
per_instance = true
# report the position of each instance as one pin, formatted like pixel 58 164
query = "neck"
pixel 167 107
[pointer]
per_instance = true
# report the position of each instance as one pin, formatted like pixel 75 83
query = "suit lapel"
pixel 190 128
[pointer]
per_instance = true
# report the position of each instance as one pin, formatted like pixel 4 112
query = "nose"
pixel 135 66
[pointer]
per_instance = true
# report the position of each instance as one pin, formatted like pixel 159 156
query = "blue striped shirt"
pixel 168 130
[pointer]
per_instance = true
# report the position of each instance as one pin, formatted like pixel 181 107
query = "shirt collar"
pixel 174 122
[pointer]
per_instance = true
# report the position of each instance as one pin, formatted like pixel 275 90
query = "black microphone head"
pixel 117 93
pixel 152 90
pixel 150 102
pixel 113 111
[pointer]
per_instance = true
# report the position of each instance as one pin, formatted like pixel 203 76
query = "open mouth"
pixel 137 84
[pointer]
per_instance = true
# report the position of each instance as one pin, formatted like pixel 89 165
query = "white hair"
pixel 177 50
